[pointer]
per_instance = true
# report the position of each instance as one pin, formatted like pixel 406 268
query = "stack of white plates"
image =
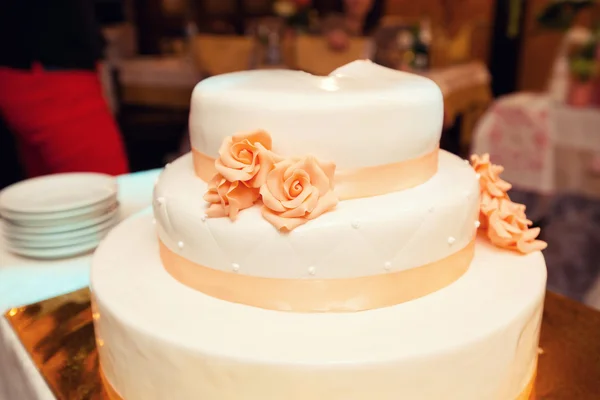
pixel 58 216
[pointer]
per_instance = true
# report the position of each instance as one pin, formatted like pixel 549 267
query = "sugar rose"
pixel 246 158
pixel 509 228
pixel 296 191
pixel 489 176
pixel 227 199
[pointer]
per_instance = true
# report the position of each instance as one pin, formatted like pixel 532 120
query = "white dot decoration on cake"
pixel 312 270
pixel 180 244
pixel 451 240
pixel 478 175
pixel 235 267
pixel 203 217
pixel 161 200
pixel 477 224
pixel 467 161
pixel 167 165
pixel 355 224
pixel 387 265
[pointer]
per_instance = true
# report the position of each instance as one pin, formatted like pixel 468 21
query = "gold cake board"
pixel 58 334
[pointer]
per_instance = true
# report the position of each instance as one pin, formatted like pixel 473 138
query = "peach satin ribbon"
pixel 319 295
pixel 358 182
pixel 111 394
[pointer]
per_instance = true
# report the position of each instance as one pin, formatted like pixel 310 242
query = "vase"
pixel 581 94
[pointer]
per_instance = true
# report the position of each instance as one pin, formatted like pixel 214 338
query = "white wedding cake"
pixel 317 245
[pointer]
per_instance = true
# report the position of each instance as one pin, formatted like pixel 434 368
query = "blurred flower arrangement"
pixel 583 58
pixel 298 14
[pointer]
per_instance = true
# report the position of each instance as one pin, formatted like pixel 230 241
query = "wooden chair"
pixel 314 55
pixel 220 54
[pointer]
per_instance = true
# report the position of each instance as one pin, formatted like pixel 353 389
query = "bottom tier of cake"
pixel 473 340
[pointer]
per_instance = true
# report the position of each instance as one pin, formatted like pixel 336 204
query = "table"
pixel 569 360
pixel 569 363
pixel 25 281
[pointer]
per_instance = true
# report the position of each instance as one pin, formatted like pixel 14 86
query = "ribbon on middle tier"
pixel 319 295
pixel 357 182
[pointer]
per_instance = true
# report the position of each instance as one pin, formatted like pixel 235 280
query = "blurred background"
pixel 520 80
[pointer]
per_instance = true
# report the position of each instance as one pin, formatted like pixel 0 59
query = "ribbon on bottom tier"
pixel 111 394
pixel 319 295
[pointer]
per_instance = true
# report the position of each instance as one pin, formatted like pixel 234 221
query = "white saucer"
pixel 75 212
pixel 10 229
pixel 53 237
pixel 56 252
pixel 48 221
pixel 58 192
pixel 60 242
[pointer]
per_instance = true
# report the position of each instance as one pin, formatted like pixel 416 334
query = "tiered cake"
pixel 317 245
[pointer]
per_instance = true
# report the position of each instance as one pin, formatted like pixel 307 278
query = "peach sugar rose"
pixel 296 191
pixel 505 221
pixel 242 167
pixel 246 158
pixel 227 199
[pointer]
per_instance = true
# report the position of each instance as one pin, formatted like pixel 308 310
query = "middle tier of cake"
pixel 362 237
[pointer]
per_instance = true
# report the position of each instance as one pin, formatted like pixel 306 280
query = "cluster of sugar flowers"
pixel 503 220
pixel 293 190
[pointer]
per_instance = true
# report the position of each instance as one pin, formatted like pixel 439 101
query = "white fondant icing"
pixel 396 227
pixel 363 115
pixel 475 339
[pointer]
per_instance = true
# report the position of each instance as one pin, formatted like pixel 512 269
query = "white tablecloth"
pixel 545 146
pixel 25 281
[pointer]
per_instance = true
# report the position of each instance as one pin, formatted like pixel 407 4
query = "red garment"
pixel 61 121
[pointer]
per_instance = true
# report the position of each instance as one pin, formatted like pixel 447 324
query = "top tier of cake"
pixel 360 115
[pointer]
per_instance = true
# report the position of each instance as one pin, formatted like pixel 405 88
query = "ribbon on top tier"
pixel 319 295
pixel 294 190
pixel 357 182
